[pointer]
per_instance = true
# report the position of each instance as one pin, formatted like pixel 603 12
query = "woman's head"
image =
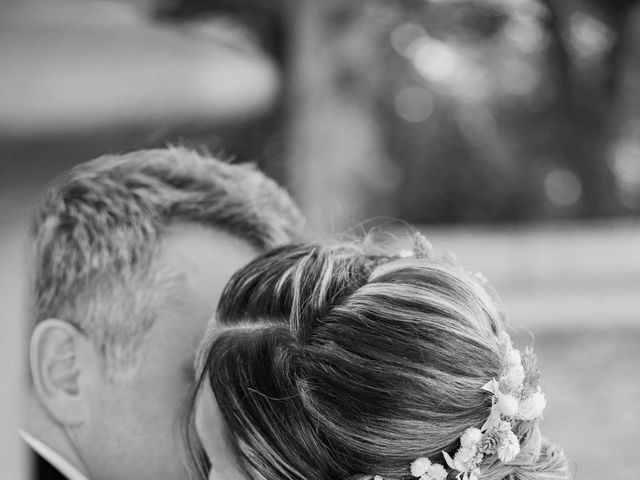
pixel 328 362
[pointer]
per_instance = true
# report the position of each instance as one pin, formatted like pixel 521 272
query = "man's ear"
pixel 60 357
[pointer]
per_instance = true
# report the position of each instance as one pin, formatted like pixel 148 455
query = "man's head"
pixel 131 254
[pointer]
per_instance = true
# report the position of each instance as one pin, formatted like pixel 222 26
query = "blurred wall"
pixel 12 336
pixel 565 275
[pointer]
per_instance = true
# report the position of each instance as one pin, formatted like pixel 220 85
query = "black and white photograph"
pixel 319 239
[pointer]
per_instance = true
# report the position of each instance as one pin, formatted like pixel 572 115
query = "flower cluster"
pixel 513 399
pixel 468 457
pixel 425 470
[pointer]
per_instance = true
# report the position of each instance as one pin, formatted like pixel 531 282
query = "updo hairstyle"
pixel 330 363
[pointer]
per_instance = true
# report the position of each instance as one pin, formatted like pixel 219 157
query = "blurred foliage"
pixel 491 110
pixel 507 110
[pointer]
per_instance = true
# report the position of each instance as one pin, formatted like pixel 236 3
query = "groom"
pixel 131 254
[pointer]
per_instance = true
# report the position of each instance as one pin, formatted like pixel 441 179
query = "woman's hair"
pixel 330 363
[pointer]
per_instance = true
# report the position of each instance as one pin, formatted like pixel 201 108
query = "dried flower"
pixel 532 406
pixel 421 246
pixel 509 385
pixel 482 280
pixel 489 444
pixel 514 376
pixel 420 466
pixel 435 472
pixel 463 456
pixel 532 372
pixel 471 437
pixel 503 427
pixel 514 357
pixel 507 405
pixel 454 464
pixel 509 447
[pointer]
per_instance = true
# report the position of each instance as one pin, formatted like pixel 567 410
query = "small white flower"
pixel 481 278
pixel 467 454
pixel 509 447
pixel 464 457
pixel 503 427
pixel 507 405
pixel 471 437
pixel 509 385
pixel 532 406
pixel 514 376
pixel 420 466
pixel 505 339
pixel 514 357
pixel 435 472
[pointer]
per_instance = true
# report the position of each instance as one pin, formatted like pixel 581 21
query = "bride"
pixel 331 363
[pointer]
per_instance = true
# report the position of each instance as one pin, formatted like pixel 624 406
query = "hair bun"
pixel 335 364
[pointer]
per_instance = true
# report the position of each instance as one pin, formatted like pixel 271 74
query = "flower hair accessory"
pixel 514 398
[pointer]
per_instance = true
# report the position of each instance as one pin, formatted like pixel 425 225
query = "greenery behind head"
pixel 331 363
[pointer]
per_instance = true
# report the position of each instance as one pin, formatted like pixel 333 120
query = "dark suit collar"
pixel 43 470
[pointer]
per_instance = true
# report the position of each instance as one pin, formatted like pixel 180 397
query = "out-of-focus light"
pixel 590 38
pixel 562 187
pixel 526 34
pixel 435 60
pixel 478 126
pixel 471 83
pixel 534 8
pixel 519 77
pixel 405 34
pixel 516 7
pixel 414 104
pixel 625 163
pixel 478 85
pixel 383 14
pixel 626 166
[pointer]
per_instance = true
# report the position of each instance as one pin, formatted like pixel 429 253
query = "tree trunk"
pixel 336 155
pixel 587 104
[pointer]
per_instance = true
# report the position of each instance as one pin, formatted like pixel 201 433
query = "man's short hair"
pixel 99 227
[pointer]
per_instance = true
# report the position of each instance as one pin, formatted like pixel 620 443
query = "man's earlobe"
pixel 57 356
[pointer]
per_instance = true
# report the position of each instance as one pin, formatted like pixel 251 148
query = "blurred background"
pixel 508 131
